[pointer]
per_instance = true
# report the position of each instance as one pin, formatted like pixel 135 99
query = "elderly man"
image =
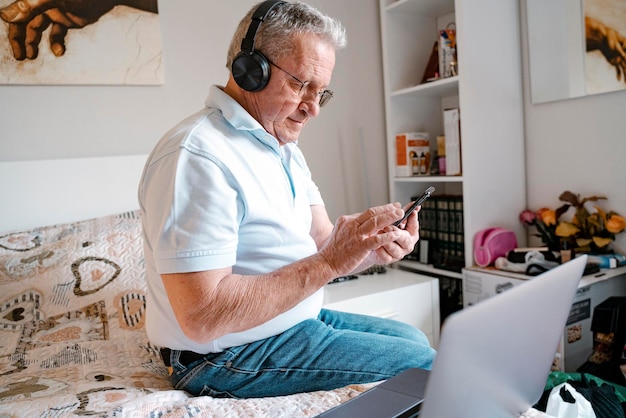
pixel 238 243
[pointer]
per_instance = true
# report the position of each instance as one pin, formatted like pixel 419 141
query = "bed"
pixel 72 302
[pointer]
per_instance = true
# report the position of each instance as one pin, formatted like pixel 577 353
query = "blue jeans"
pixel 335 350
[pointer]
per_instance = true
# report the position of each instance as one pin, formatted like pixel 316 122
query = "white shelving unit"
pixel 488 92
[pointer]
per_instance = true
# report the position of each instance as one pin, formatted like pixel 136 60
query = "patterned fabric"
pixel 72 337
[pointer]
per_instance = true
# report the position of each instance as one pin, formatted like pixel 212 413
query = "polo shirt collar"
pixel 238 117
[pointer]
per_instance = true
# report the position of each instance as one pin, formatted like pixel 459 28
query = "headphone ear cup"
pixel 251 71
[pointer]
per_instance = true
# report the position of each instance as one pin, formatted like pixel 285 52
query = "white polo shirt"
pixel 218 191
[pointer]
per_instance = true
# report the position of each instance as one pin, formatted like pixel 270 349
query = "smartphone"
pixel 415 204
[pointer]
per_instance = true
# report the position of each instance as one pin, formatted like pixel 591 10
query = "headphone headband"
pixel 259 15
pixel 250 68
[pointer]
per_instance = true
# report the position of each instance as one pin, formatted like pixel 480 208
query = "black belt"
pixel 185 358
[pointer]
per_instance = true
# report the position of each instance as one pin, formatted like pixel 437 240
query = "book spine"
pixel 452 133
pixel 459 230
pixel 427 230
pixel 443 226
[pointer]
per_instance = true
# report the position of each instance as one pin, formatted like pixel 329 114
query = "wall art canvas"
pixel 80 42
pixel 605 35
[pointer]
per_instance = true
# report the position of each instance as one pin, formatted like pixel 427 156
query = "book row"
pixel 442 238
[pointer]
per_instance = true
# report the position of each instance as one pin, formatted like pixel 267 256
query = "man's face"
pixel 283 107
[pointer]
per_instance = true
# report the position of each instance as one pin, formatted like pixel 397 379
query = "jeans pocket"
pixel 193 377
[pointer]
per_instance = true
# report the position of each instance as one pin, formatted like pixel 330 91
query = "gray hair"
pixel 275 35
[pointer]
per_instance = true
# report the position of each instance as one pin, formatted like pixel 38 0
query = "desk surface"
pixel 372 283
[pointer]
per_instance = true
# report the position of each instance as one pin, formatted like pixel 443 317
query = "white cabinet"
pixel 487 90
pixel 407 297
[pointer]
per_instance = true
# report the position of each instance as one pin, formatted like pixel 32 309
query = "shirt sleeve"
pixel 194 215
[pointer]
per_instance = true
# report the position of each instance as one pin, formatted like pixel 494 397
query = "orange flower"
pixel 547 216
pixel 615 223
pixel 591 227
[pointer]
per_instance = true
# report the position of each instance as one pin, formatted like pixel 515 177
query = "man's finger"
pixel 57 39
pixel 17 36
pixel 378 217
pixel 17 12
pixel 34 30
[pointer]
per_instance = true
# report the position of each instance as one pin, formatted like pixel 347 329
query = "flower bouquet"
pixel 590 229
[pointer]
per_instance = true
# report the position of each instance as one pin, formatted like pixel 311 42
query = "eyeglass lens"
pixel 324 95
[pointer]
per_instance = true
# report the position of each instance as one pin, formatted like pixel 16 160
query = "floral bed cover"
pixel 72 337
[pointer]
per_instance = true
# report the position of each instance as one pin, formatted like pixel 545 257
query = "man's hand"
pixel 369 236
pixel 404 245
pixel 609 42
pixel 28 19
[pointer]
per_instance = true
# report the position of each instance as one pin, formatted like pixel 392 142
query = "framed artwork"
pixel 576 48
pixel 605 34
pixel 80 42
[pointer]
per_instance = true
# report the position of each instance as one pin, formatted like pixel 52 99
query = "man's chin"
pixel 289 138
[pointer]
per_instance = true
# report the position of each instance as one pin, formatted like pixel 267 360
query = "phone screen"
pixel 415 204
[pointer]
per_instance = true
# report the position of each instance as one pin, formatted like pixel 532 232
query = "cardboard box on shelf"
pixel 412 154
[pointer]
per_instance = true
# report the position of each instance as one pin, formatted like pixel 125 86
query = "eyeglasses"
pixel 324 95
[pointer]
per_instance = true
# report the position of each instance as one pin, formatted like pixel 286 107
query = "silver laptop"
pixel 493 358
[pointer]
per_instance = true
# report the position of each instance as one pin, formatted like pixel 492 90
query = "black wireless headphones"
pixel 250 68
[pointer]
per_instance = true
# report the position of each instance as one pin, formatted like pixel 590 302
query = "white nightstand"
pixel 401 295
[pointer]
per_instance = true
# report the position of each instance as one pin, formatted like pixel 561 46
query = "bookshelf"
pixel 488 92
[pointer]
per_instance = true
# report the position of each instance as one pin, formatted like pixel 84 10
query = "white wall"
pixel 578 145
pixel 52 192
pixel 69 121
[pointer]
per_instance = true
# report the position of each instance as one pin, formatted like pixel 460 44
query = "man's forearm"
pixel 207 309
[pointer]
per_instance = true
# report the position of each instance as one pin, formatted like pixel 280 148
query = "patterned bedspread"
pixel 72 338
